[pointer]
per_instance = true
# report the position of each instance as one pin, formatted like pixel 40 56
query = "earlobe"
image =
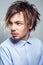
pixel 30 27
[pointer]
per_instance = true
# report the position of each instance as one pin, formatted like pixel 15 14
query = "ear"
pixel 30 26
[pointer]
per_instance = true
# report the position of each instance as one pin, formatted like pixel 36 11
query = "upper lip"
pixel 13 33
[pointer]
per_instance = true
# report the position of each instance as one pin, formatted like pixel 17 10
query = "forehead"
pixel 17 17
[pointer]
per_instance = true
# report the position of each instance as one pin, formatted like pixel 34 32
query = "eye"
pixel 18 23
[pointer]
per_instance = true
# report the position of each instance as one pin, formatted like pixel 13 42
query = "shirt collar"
pixel 29 40
pixel 20 43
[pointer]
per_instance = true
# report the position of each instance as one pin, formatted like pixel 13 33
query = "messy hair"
pixel 31 15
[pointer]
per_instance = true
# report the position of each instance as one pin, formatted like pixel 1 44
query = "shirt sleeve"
pixel 5 58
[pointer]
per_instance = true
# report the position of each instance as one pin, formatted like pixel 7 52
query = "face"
pixel 18 27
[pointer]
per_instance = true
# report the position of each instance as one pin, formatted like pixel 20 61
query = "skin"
pixel 19 28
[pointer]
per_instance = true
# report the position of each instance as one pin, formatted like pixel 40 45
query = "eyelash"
pixel 18 23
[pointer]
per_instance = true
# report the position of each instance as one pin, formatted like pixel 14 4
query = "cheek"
pixel 23 30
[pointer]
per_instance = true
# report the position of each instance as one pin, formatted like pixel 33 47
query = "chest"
pixel 26 55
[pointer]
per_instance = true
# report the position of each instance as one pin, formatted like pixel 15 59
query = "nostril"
pixel 12 30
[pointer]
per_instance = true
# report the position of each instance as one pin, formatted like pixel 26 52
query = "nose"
pixel 13 27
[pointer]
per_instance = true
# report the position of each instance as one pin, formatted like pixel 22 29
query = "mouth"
pixel 14 34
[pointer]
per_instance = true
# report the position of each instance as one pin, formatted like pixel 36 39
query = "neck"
pixel 26 37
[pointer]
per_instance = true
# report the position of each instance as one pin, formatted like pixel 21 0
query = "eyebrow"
pixel 16 21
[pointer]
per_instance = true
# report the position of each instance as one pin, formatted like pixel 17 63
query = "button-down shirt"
pixel 21 52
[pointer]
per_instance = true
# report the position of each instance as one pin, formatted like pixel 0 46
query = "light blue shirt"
pixel 21 52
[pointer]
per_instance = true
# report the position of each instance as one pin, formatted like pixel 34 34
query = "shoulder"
pixel 4 47
pixel 37 43
pixel 5 52
pixel 5 43
pixel 35 40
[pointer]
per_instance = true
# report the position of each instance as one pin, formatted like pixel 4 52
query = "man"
pixel 21 49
